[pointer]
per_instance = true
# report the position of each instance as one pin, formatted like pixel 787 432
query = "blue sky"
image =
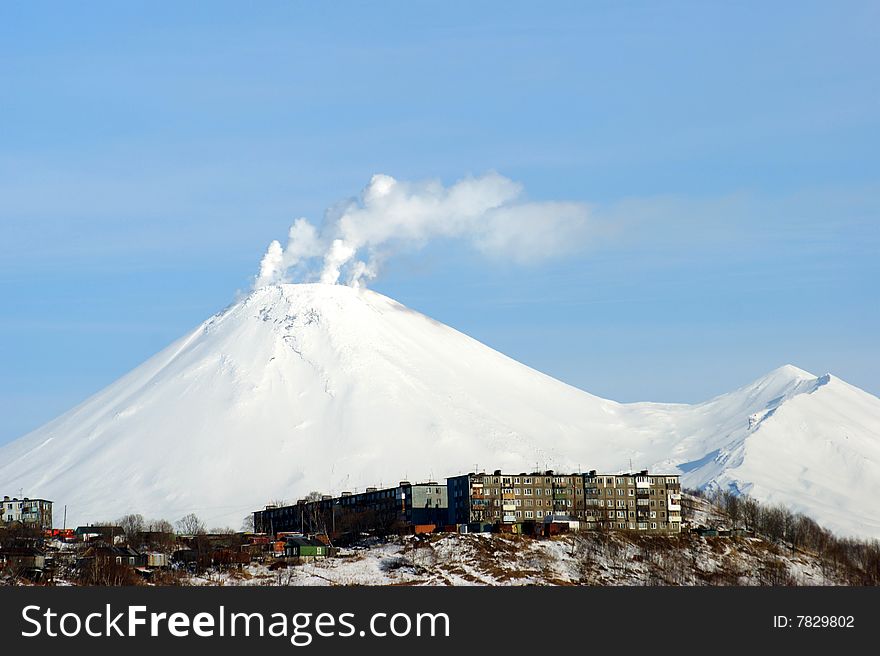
pixel 150 151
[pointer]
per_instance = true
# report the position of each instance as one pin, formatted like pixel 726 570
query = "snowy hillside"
pixel 326 387
pixel 584 559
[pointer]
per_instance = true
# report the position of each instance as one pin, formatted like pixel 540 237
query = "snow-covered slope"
pixel 325 387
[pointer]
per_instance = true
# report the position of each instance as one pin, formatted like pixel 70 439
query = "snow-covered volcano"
pixel 324 387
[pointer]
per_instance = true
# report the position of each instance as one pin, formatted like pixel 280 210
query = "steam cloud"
pixel 393 215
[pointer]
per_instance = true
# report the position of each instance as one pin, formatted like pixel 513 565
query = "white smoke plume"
pixel 394 215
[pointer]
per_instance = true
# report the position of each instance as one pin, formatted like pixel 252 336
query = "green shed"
pixel 306 548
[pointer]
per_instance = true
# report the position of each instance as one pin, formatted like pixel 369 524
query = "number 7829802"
pixel 825 621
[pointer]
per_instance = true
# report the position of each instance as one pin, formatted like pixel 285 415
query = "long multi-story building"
pixel 36 513
pixel 385 509
pixel 632 501
pixel 640 501
pixel 512 498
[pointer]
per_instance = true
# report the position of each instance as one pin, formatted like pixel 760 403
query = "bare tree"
pixel 751 513
pixel 160 526
pixel 226 530
pixel 190 525
pixel 132 525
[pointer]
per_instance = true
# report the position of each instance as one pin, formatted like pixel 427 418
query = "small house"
pixel 108 534
pixel 25 559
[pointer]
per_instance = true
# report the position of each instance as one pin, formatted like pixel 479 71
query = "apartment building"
pixel 385 509
pixel 632 501
pixel 512 498
pixel 36 513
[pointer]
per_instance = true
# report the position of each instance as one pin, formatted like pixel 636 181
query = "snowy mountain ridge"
pixel 325 387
